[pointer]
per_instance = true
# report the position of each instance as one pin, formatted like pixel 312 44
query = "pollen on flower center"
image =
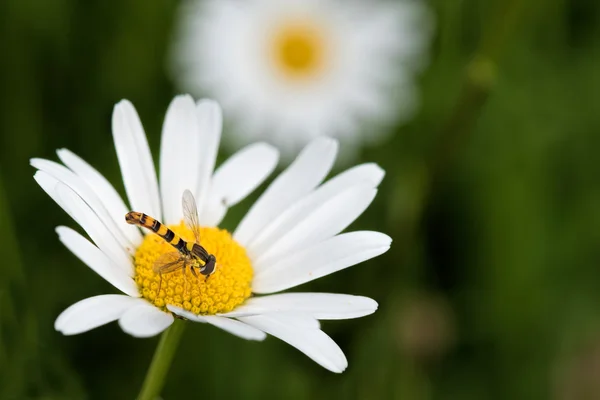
pixel 228 287
pixel 298 49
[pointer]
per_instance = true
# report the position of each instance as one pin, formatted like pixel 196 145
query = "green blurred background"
pixel 491 289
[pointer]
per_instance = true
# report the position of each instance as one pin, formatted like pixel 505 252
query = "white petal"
pixel 180 147
pixel 184 313
pixel 97 261
pixel 135 160
pixel 317 305
pixel 145 320
pixel 298 319
pixel 370 173
pixel 243 172
pixel 302 176
pixel 213 212
pixel 210 120
pixel 69 178
pixel 302 320
pixel 93 312
pixel 325 221
pixel 236 178
pixel 236 328
pixel 321 259
pixel 310 341
pixel 293 318
pixel 48 183
pixel 232 326
pixel 367 174
pixel 94 227
pixel 103 189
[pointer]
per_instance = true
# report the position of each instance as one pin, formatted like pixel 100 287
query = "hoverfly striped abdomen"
pixel 146 221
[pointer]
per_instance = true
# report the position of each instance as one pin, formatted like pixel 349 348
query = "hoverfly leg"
pixel 185 284
pixel 196 275
pixel 159 284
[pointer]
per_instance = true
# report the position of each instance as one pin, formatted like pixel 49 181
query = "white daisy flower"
pixel 291 70
pixel 290 236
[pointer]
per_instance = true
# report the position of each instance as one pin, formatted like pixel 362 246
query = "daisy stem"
pixel 479 78
pixel 478 83
pixel 155 378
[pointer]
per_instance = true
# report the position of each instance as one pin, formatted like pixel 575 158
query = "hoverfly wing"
pixel 168 262
pixel 190 214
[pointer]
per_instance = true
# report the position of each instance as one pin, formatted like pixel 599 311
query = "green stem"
pixel 155 378
pixel 476 86
pixel 478 82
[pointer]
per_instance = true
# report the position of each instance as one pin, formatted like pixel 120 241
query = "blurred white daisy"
pixel 290 236
pixel 291 70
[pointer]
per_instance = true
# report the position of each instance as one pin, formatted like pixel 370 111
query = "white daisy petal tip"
pixel 386 240
pixel 183 97
pixel 210 111
pixel 123 103
pixel 92 313
pixel 34 161
pixel 378 173
pixel 331 143
pixel 180 102
pixel 120 111
pixel 60 230
pixel 368 306
pixel 48 185
pixel 295 330
pixel 62 151
pixel 209 103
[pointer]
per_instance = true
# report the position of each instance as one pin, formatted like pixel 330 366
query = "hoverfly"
pixel 188 254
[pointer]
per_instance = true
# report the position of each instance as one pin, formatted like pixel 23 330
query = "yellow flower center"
pixel 298 49
pixel 228 287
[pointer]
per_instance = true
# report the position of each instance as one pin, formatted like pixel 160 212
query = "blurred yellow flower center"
pixel 298 49
pixel 228 287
